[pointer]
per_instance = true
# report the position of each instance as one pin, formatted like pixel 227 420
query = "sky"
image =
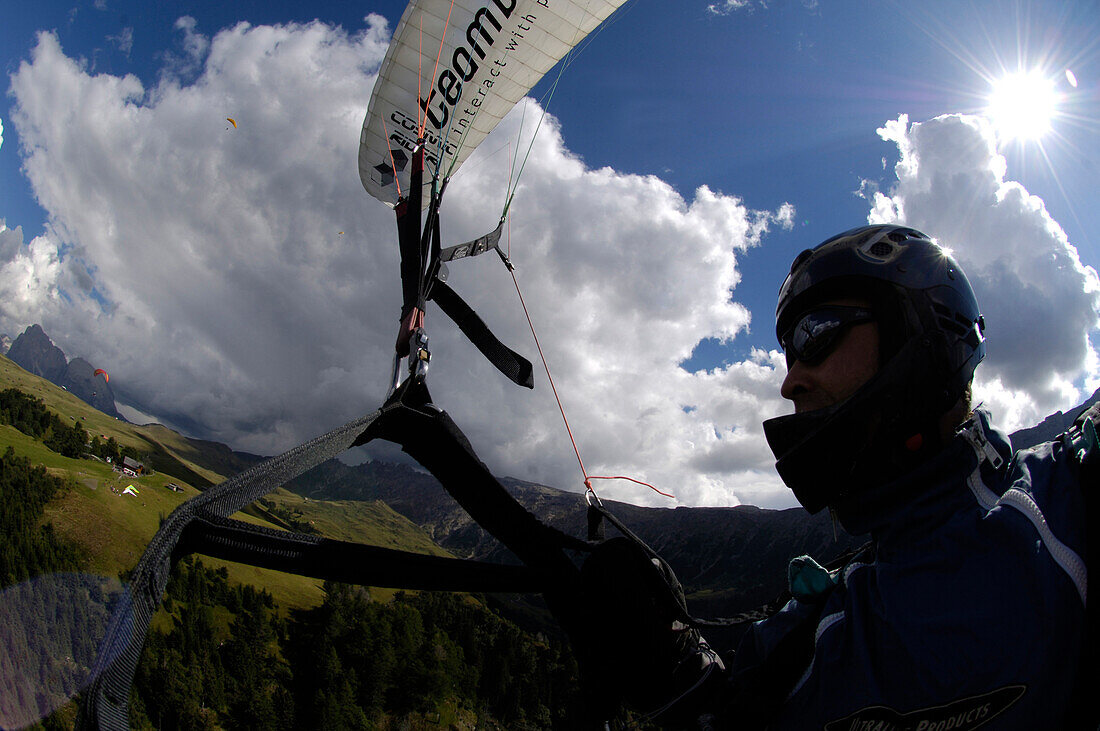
pixel 239 284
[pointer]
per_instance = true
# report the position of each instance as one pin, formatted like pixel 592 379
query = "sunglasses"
pixel 818 332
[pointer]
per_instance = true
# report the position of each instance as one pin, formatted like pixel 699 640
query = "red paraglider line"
pixel 421 114
pixel 631 479
pixel 576 450
pixel 443 37
pixel 393 164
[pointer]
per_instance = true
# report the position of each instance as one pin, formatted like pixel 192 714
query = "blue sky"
pixel 692 150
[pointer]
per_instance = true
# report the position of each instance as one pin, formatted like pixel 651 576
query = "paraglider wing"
pixel 101 372
pixel 490 53
pixel 232 122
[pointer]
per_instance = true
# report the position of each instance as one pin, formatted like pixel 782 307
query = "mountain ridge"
pixel 35 352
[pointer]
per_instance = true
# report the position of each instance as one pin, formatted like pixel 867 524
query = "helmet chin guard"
pixel 830 453
pixel 930 343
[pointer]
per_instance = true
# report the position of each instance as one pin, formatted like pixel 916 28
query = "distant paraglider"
pixel 101 372
pixel 232 122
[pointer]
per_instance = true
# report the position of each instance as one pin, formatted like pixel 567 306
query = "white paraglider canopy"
pixel 452 71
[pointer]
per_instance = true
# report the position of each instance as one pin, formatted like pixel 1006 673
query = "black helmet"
pixel 930 334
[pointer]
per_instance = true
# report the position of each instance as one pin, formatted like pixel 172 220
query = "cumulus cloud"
pixel 1040 301
pixel 207 267
pixel 28 278
pixel 239 283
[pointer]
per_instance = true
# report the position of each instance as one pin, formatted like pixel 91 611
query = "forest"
pixel 30 416
pixel 225 655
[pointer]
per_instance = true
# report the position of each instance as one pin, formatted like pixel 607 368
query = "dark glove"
pixel 642 650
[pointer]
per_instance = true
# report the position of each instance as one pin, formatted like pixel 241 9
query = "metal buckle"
pixel 418 360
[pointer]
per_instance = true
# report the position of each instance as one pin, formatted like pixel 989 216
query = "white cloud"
pixel 1 132
pixel 1039 300
pixel 28 279
pixel 729 6
pixel 123 40
pixel 206 266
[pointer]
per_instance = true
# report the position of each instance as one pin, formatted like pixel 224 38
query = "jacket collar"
pixel 932 490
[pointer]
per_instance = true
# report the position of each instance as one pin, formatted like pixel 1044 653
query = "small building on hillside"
pixel 132 467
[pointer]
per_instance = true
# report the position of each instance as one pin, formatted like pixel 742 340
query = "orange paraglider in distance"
pixel 232 122
pixel 101 372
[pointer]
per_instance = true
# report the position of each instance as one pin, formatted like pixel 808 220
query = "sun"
pixel 1022 105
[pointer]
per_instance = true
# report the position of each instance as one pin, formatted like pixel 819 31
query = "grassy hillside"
pixel 114 528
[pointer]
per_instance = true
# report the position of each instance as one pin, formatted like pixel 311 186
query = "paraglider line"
pixel 438 55
pixel 420 75
pixel 576 450
pixel 549 97
pixel 510 172
pixel 631 479
pixel 574 51
pixel 393 164
pixel 553 388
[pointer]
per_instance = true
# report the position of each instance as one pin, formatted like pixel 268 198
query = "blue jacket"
pixel 968 610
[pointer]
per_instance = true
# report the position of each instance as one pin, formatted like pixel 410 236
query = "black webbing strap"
pixel 203 524
pixel 107 698
pixel 431 437
pixel 507 361
pixel 408 212
pixel 435 441
pixel 347 562
pixel 423 278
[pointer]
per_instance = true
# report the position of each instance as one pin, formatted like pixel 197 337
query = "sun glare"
pixel 1022 105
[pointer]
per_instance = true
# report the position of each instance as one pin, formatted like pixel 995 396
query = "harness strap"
pixel 431 437
pixel 347 562
pixel 513 365
pixel 203 524
pixel 408 212
pixel 107 698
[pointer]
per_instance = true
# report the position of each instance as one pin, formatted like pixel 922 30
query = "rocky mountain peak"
pixel 35 352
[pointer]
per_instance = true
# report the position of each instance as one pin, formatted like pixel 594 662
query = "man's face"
pixel 851 363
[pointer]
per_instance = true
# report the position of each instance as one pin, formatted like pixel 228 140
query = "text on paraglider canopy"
pixel 408 141
pixel 466 61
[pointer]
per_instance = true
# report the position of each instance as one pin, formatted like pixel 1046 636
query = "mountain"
pixel 113 531
pixel 80 379
pixel 232 645
pixel 35 352
pixel 729 559
pixel 1051 426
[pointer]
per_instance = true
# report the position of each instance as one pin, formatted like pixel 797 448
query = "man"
pixel 967 607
